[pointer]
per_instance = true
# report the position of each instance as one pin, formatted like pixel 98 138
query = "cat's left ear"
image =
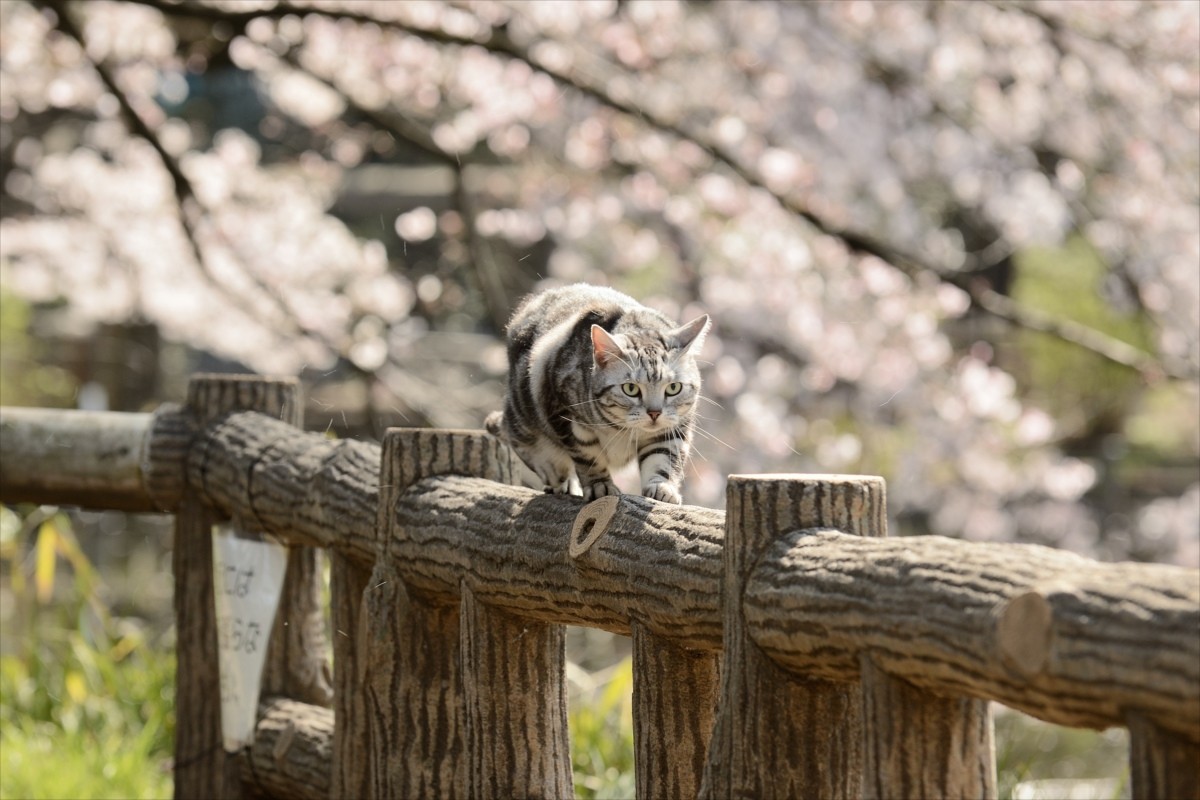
pixel 691 336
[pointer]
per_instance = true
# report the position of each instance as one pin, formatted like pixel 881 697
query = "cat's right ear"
pixel 605 349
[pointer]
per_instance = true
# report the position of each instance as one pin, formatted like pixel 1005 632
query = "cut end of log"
pixel 1025 632
pixel 591 523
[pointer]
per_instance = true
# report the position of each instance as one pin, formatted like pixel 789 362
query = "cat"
pixel 595 380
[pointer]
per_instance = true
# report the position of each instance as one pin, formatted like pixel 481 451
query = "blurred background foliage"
pixel 955 244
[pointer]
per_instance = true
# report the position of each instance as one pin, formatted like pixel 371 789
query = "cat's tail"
pixel 494 424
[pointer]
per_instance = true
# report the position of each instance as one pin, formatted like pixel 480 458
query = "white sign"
pixel 247 581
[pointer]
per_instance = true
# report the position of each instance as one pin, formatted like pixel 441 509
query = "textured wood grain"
pixel 164 456
pixel 87 458
pixel 514 669
pixel 674 707
pixel 657 563
pixel 515 705
pixel 1058 636
pixel 348 580
pixel 413 656
pixel 1162 763
pixel 302 487
pixel 919 744
pixel 297 663
pixel 202 767
pixel 413 692
pixel 290 756
pixel 778 735
pixel 203 770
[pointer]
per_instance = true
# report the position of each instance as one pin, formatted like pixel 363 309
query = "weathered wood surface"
pixel 779 735
pixel 85 458
pixel 302 487
pixel 655 563
pixel 661 565
pixel 674 708
pixel 488 686
pixel 515 705
pixel 1061 637
pixel 203 769
pixel 921 744
pixel 313 491
pixel 1162 764
pixel 347 582
pixel 296 665
pixel 290 756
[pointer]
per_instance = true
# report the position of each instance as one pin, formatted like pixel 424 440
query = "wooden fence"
pixel 782 648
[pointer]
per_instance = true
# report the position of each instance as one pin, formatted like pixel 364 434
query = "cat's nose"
pixel 654 414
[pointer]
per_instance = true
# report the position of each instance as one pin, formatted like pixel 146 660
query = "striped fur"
pixel 596 380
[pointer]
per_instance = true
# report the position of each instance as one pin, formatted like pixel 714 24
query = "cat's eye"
pixel 631 389
pixel 674 388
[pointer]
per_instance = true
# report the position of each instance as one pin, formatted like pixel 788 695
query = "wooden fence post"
pixel 348 581
pixel 479 694
pixel 515 705
pixel 674 688
pixel 674 707
pixel 919 744
pixel 1162 763
pixel 777 734
pixel 202 767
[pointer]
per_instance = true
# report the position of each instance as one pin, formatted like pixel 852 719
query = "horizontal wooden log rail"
pixel 1044 631
pixel 88 458
pixel 922 624
pixel 1058 636
pixel 291 754
pixel 656 564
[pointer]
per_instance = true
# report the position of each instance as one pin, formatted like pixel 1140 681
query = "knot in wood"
pixel 591 523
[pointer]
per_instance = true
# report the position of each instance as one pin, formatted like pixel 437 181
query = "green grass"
pixel 601 722
pixel 86 699
pixel 82 721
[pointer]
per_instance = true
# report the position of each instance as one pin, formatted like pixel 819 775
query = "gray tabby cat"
pixel 596 379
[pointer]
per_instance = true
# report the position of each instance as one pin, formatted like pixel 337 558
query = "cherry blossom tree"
pixel 956 244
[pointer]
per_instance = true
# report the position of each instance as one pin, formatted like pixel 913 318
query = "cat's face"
pixel 646 382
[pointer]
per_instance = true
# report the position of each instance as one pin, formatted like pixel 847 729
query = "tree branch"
pixel 482 261
pixel 1068 330
pixel 184 192
pixel 497 41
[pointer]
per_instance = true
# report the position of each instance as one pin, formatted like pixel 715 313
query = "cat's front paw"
pixel 664 492
pixel 599 489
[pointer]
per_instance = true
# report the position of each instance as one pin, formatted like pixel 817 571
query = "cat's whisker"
pixel 629 437
pixel 583 424
pixel 587 381
pixel 690 447
pixel 687 446
pixel 711 437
